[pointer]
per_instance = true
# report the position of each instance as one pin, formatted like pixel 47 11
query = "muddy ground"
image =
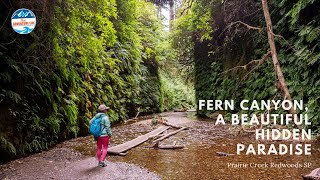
pixel 75 159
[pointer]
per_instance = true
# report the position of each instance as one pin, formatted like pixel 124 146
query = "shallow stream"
pixel 199 159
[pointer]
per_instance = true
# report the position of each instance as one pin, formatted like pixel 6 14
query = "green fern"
pixel 8 146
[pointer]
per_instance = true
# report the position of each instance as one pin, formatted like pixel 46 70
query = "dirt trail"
pixel 65 163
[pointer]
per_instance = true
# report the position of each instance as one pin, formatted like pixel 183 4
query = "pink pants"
pixel 102 153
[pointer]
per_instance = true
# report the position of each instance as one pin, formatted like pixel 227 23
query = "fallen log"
pixel 169 146
pixel 171 125
pixel 168 135
pixel 314 175
pixel 224 154
pixel 164 121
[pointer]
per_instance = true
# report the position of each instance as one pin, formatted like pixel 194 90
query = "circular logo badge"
pixel 23 21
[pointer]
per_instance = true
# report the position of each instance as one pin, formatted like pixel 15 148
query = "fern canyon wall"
pixel 226 46
pixel 81 54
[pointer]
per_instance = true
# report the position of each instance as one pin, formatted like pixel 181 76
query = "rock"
pixel 314 175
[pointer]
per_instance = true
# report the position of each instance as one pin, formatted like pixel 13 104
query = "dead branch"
pixel 248 26
pixel 260 61
pixel 137 114
pixel 245 24
pixel 263 59
pixel 287 42
pixel 135 118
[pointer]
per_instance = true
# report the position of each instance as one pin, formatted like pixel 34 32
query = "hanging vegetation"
pixel 226 45
pixel 81 54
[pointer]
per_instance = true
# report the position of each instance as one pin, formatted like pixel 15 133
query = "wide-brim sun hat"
pixel 103 107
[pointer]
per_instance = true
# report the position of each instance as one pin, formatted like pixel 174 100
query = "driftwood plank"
pixel 172 125
pixel 119 149
pixel 168 135
pixel 170 147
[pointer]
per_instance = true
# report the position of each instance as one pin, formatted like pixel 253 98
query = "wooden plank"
pixel 168 135
pixel 135 142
